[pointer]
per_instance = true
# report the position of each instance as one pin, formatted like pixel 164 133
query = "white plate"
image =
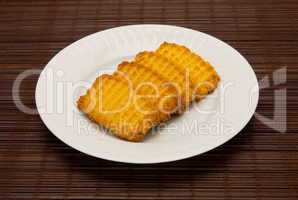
pixel 207 125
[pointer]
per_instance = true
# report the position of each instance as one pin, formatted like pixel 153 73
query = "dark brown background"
pixel 259 163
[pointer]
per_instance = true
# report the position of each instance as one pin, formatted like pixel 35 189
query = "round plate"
pixel 207 124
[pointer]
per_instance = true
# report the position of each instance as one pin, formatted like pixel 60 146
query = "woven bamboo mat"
pixel 260 163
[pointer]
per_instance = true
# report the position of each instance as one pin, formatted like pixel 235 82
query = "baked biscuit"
pixel 170 72
pixel 110 102
pixel 150 85
pixel 203 76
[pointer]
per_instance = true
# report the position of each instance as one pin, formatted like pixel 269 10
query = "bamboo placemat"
pixel 260 163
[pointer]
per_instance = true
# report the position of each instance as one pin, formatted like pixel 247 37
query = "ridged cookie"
pixel 170 72
pixel 110 102
pixel 151 86
pixel 203 76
